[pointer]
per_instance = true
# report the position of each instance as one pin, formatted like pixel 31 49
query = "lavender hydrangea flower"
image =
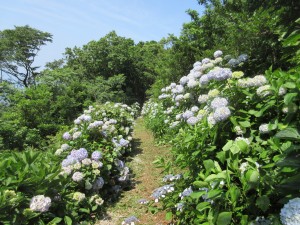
pixel 68 161
pixel 218 53
pixel 162 191
pixel 67 136
pixel 96 155
pixel 218 102
pixel 79 154
pixel 186 192
pixel 123 142
pixel 192 120
pixel 130 221
pixel 187 114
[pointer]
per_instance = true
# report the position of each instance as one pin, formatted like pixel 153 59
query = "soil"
pixel 145 178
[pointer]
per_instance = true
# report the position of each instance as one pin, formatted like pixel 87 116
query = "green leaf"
pixel 68 220
pixel 203 205
pixel 288 98
pixel 209 164
pixel 263 203
pixel 224 218
pixel 235 149
pixel 169 216
pixel 245 124
pixel 289 85
pixel 228 145
pixel 197 194
pixel 200 184
pixel 56 220
pixel 289 134
pixel 214 193
pixel 252 176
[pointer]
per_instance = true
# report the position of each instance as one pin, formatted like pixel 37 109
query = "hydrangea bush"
pixel 233 138
pixel 78 180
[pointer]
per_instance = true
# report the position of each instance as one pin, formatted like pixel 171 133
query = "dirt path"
pixel 145 179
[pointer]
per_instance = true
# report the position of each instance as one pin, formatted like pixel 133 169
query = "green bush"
pixel 235 140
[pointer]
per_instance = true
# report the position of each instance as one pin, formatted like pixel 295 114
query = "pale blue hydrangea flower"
pixel 221 114
pixel 218 102
pixel 96 155
pixel 67 136
pixel 79 154
pixel 233 62
pixel 187 114
pixel 218 53
pixel 123 142
pixel 183 80
pixel 204 79
pixel 243 58
pixel 192 120
pixel 179 206
pixel 290 213
pixel 162 191
pixel 186 192
pixel 130 221
pixel 197 64
pixel 205 60
pixel 98 184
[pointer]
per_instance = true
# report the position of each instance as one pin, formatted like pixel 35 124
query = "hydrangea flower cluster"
pixel 162 191
pixel 40 203
pixel 290 213
pixel 132 220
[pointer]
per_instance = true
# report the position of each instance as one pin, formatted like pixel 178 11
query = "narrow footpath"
pixel 145 178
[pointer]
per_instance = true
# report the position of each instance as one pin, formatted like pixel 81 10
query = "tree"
pixel 18 48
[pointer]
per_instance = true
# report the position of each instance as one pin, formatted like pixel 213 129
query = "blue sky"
pixel 76 22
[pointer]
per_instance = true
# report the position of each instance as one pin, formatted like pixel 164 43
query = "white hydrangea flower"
pixel 77 176
pixel 203 99
pixel 290 213
pixel 243 167
pixel 192 120
pixel 246 140
pixel 282 91
pixel 238 130
pixel 218 53
pixel 78 196
pixel 264 128
pixel 76 135
pixel 221 114
pixel 40 203
pixel 263 91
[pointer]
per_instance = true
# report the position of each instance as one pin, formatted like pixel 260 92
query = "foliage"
pixel 74 182
pixel 18 48
pixel 235 140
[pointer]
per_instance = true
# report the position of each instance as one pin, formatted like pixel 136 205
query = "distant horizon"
pixel 78 22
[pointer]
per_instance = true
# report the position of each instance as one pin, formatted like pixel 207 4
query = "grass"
pixel 145 178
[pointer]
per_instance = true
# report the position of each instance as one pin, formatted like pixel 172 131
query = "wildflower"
pixel 77 176
pixel 40 203
pixel 78 196
pixel 221 114
pixel 264 128
pixel 179 206
pixel 143 201
pixel 130 221
pixel 290 213
pixel 186 192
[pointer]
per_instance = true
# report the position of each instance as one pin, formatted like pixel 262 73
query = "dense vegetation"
pixel 261 42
